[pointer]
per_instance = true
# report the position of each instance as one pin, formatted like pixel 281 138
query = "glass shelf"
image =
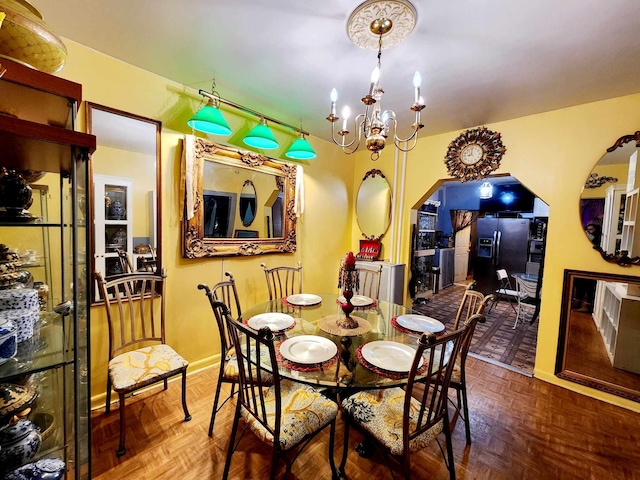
pixel 44 351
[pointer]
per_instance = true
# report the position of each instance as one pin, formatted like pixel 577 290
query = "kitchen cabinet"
pixel 38 138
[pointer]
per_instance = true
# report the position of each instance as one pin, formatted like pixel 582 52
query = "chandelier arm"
pixel 397 142
pixel 416 128
pixel 339 143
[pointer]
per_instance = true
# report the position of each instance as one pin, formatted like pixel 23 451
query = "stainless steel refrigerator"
pixel 501 243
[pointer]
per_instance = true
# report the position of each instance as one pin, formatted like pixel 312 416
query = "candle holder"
pixel 348 279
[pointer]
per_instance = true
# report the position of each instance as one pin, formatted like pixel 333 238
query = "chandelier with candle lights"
pixel 374 24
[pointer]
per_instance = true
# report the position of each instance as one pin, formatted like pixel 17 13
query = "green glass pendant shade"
pixel 209 120
pixel 301 150
pixel 261 137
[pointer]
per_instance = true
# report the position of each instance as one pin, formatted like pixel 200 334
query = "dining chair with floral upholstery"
pixel 138 353
pixel 226 293
pixel 283 281
pixel 403 421
pixel 472 303
pixel 283 414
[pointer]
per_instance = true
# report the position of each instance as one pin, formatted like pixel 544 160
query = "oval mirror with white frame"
pixel 373 205
pixel 609 203
pixel 248 203
pixel 125 194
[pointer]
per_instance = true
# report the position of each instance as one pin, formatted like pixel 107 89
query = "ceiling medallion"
pixel 360 24
pixel 474 154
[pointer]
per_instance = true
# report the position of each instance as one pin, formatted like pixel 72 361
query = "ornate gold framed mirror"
pixel 599 334
pixel 125 196
pixel 222 184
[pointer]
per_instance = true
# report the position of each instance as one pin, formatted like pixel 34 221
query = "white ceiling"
pixel 481 61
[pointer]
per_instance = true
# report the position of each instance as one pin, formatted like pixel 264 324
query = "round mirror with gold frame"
pixel 373 205
pixel 609 203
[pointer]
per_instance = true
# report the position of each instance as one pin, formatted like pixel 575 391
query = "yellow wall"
pixel 322 232
pixel 552 154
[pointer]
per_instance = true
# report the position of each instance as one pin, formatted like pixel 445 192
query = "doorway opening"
pixel 470 239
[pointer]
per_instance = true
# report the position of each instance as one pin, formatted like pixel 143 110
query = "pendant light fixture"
pixel 300 149
pixel 486 190
pixel 209 119
pixel 261 136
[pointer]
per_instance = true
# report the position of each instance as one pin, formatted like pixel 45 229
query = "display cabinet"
pixel 44 380
pixel 113 222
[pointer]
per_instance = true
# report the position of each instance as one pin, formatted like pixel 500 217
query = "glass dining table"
pixel 349 367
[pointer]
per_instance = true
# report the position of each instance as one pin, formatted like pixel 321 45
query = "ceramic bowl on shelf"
pixel 45 469
pixel 26 38
pixel 15 398
pixel 8 340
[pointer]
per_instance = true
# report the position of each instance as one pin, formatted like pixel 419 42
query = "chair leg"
pixel 121 450
pixel 107 407
pixel 447 435
pixel 166 384
pixel 274 463
pixel 465 410
pixel 234 428
pixel 345 447
pixel 515 324
pixel 187 415
pixel 216 398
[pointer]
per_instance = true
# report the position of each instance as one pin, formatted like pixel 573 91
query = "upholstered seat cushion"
pixel 380 413
pixel 304 411
pixel 144 366
pixel 231 372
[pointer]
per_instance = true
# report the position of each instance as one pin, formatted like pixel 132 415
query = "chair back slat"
pixel 256 353
pixel 369 281
pixel 471 303
pixel 283 281
pixel 135 308
pixel 433 386
pixel 226 293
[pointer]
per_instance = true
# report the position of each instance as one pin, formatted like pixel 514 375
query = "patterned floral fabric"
pixel 231 370
pixel 144 366
pixel 380 413
pixel 304 411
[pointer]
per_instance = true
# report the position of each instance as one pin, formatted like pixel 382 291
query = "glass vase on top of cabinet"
pixel 44 328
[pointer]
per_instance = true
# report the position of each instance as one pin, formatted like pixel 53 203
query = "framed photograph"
pixel 245 234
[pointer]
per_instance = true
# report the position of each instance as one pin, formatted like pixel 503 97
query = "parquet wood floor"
pixel 522 428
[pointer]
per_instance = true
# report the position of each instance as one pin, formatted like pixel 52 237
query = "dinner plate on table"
pixel 391 356
pixel 357 300
pixel 308 349
pixel 304 299
pixel 275 321
pixel 420 323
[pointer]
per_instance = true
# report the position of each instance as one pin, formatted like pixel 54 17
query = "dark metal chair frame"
pixel 431 392
pixel 256 353
pixel 226 293
pixel 283 281
pixel 131 302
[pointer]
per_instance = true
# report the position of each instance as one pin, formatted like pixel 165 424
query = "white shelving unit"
pixel 631 241
pixel 110 231
pixel 617 316
pixel 391 281
pixel 612 220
